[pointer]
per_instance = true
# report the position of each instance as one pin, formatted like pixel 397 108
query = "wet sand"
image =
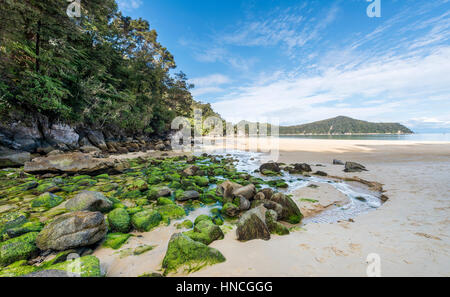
pixel 410 232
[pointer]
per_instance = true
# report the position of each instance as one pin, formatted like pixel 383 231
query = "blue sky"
pixel 301 61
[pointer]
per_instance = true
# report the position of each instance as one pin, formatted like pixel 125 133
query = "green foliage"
pixel 344 125
pixel 103 69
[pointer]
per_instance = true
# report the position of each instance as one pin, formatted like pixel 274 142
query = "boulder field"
pixel 73 203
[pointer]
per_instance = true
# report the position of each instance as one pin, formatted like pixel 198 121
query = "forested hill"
pixel 103 70
pixel 345 125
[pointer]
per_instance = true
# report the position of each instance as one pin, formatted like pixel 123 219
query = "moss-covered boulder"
pixel 290 211
pixel 11 220
pixel 87 266
pixel 17 269
pixel 165 201
pixel 230 209
pixel 47 200
pixel 188 195
pixel 171 211
pixel 89 200
pixel 252 225
pixel 186 224
pixel 201 181
pixel 119 220
pixel 274 226
pixel 205 231
pixel 72 230
pixel 115 240
pixel 19 248
pixel 183 252
pixel 25 228
pixel 146 220
pixel 138 184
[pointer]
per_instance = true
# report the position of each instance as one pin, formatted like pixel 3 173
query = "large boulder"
pixel 72 230
pixel 13 158
pixel 19 248
pixel 290 211
pixel 91 201
pixel 184 252
pixel 72 163
pixel 252 225
pixel 354 167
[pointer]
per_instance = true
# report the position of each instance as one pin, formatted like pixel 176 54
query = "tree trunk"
pixel 38 40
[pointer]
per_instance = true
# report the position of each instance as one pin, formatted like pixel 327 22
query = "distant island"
pixel 345 125
pixel 340 125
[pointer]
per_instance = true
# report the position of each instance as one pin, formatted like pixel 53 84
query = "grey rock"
pixel 89 200
pixel 354 167
pixel 72 230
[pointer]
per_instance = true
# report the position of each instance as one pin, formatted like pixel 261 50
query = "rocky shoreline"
pixel 23 140
pixel 73 203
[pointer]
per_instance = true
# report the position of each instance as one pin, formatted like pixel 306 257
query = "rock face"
pixel 61 134
pixel 13 159
pixel 73 163
pixel 91 201
pixel 72 230
pixel 183 251
pixel 354 167
pixel 252 225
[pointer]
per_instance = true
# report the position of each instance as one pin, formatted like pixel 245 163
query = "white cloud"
pixel 400 82
pixel 129 5
pixel 209 84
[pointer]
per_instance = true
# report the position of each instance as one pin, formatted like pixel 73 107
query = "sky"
pixel 294 62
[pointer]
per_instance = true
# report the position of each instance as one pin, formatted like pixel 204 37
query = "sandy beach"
pixel 410 232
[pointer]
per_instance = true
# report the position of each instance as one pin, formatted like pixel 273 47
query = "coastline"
pixel 410 232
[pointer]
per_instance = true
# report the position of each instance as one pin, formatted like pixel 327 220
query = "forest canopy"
pixel 103 69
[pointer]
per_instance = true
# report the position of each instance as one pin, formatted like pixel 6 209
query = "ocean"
pixel 411 137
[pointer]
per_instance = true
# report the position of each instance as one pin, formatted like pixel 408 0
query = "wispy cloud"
pixel 209 84
pixel 299 98
pixel 290 27
pixel 129 5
